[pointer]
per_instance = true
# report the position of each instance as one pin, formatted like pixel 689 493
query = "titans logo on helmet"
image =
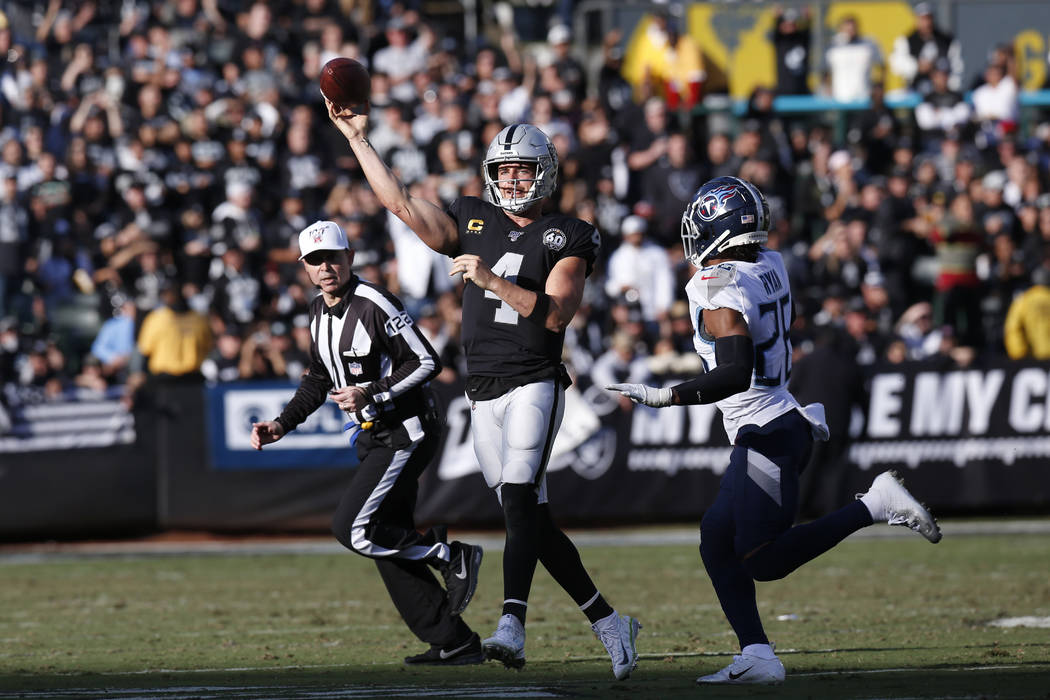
pixel 713 203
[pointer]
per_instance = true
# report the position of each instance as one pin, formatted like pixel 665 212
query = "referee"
pixel 368 356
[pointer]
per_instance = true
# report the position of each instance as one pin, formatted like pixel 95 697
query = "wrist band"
pixel 540 310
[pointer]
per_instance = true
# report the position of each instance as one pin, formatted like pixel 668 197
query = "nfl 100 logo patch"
pixel 554 239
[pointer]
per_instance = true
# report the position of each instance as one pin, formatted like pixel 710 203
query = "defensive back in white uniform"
pixel 761 293
pixel 740 301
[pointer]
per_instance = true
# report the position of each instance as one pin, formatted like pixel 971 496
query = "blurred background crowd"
pixel 158 159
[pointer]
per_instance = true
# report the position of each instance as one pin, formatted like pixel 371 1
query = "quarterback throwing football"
pixel 740 304
pixel 524 272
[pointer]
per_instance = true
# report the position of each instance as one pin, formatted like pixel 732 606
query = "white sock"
pixel 874 506
pixel 762 651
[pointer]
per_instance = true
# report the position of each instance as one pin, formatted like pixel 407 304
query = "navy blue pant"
pixel 746 534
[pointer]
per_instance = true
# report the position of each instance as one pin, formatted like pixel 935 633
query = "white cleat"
pixel 747 669
pixel 890 502
pixel 507 643
pixel 618 633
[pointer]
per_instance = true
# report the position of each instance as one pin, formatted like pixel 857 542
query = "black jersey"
pixel 497 340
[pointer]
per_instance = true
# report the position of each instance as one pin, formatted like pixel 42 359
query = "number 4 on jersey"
pixel 506 267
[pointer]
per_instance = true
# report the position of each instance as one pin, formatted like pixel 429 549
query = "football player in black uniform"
pixel 525 272
pixel 368 356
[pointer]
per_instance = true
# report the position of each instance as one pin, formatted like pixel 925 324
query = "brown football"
pixel 345 82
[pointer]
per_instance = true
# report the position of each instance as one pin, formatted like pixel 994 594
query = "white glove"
pixel 640 393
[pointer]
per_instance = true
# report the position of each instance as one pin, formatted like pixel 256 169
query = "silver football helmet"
pixel 521 143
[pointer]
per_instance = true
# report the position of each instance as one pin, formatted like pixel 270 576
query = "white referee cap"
pixel 322 235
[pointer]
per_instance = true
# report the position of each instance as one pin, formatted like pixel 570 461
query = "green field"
pixel 875 618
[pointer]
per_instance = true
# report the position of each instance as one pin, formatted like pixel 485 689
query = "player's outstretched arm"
pixel 735 360
pixel 266 432
pixel 430 222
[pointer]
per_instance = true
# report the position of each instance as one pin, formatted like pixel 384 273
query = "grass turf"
pixel 872 618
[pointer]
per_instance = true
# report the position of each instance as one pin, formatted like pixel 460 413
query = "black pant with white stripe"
pixel 375 519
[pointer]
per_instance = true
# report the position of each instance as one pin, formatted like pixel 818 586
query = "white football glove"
pixel 640 393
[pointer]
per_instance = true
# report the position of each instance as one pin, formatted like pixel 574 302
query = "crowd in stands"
pixel 158 160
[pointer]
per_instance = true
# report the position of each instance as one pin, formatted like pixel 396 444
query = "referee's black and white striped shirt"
pixel 368 340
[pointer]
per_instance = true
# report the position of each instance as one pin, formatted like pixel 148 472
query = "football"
pixel 345 82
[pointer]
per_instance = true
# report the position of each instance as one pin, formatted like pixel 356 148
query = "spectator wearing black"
pixel 238 292
pixel 991 211
pixel 14 237
pixel 236 222
pixel 615 93
pixel 648 143
pixel 916 55
pixel 565 64
pixel 942 110
pixel 261 357
pixel 668 185
pixel 791 39
pixel 720 160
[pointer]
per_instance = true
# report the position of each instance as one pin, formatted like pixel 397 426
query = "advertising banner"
pixel 233 407
pixel 967 440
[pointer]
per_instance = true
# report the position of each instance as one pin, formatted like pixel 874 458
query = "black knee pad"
pixel 520 508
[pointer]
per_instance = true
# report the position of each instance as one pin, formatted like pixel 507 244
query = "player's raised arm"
pixel 428 221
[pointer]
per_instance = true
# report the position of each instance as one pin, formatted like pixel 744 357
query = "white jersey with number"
pixel 760 292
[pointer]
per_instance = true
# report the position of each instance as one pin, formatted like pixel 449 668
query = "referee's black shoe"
pixel 461 575
pixel 456 655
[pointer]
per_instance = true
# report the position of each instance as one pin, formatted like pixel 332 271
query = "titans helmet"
pixel 724 213
pixel 521 143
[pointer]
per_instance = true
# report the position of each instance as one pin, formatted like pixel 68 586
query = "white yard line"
pixel 492 541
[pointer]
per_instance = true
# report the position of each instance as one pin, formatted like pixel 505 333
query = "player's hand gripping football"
pixel 475 270
pixel 640 393
pixel 265 432
pixel 353 125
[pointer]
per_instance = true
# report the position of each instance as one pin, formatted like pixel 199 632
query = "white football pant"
pixel 513 434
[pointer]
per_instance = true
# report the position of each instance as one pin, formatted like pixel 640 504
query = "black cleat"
pixel 461 575
pixel 461 655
